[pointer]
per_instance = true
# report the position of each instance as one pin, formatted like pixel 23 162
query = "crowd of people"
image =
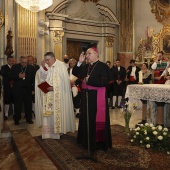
pixel 82 86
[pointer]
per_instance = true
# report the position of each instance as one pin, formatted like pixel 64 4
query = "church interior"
pixel 119 29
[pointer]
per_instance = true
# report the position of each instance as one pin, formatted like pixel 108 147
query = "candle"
pixel 140 77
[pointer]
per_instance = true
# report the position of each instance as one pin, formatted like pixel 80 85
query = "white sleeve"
pixel 79 64
pixel 43 74
pixel 164 73
pixel 154 65
pixel 166 69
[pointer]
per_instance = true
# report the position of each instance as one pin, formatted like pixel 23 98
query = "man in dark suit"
pixel 119 75
pixel 7 85
pixel 133 73
pixel 31 62
pixel 36 67
pixel 23 76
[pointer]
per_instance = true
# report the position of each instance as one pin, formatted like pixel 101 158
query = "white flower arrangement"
pixel 150 136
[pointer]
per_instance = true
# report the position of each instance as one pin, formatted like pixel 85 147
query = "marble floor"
pixel 26 145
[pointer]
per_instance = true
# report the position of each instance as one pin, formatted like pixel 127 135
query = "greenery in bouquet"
pixel 150 136
pixel 127 108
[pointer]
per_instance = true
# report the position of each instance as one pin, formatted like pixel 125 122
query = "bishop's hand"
pixel 82 57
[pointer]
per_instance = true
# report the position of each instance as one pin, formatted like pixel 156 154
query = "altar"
pixel 154 100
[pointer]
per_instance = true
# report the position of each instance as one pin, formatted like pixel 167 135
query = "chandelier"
pixel 35 5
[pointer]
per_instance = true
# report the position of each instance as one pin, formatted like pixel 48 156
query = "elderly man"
pixel 58 112
pixel 23 76
pixel 95 78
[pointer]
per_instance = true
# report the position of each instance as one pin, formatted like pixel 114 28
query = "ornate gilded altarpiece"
pixel 161 40
pixel 149 47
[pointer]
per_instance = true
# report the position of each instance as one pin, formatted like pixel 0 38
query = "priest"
pixel 95 77
pixel 57 105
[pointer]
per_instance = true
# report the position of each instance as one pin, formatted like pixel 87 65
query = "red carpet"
pixel 122 156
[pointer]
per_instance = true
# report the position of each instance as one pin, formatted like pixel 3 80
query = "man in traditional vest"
pixel 159 66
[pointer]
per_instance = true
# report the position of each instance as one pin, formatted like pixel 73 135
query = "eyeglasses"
pixel 47 59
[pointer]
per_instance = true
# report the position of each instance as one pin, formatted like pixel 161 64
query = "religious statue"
pixel 9 48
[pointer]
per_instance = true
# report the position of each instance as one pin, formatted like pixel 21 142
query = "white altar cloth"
pixel 152 93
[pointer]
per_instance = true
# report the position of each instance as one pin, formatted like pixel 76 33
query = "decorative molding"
pixel 95 1
pixel 60 7
pixel 58 36
pixel 105 11
pixel 1 19
pixel 86 29
pixel 109 41
pixel 84 14
pixel 161 9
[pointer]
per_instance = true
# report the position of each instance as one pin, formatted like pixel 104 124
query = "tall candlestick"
pixel 140 77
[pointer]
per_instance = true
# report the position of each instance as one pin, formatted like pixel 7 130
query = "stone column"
pixel 58 46
pixel 109 49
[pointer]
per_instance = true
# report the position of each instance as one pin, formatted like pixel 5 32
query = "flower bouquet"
pixel 150 136
pixel 127 109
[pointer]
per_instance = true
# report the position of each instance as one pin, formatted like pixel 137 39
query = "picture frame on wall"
pixel 166 44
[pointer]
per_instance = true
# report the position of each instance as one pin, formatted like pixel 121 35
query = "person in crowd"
pixel 23 76
pixel 108 63
pixel 15 61
pixel 147 74
pixel 58 112
pixel 164 73
pixel 7 85
pixel 35 60
pixel 119 75
pixel 110 86
pixel 75 87
pixel 133 73
pixel 158 67
pixel 31 61
pixel 66 60
pixel 95 78
pixel 36 67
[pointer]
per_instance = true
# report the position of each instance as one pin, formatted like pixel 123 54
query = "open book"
pixel 43 86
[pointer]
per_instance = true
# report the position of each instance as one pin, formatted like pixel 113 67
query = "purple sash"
pixel 101 110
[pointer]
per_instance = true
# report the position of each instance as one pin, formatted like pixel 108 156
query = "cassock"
pixel 57 105
pixel 95 91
